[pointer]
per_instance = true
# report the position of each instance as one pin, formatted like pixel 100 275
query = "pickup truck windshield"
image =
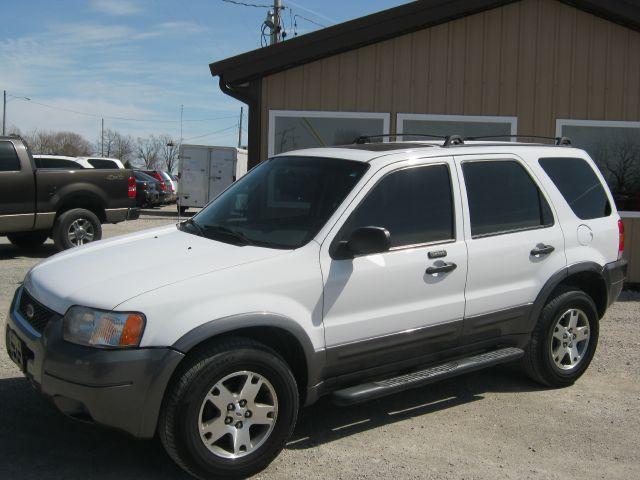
pixel 282 203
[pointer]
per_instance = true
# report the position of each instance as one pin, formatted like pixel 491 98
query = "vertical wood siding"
pixel 538 60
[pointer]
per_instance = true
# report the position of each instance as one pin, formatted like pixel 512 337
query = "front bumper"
pixel 614 274
pixel 120 388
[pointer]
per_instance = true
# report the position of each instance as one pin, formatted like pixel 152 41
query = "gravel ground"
pixel 489 425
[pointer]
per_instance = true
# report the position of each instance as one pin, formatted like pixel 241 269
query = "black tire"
pixel 182 210
pixel 195 378
pixel 538 362
pixel 28 240
pixel 65 220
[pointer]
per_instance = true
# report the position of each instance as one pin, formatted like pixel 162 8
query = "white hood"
pixel 109 272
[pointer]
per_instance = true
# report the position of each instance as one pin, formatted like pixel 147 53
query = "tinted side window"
pixel 99 163
pixel 9 161
pixel 579 186
pixel 57 163
pixel 503 198
pixel 414 204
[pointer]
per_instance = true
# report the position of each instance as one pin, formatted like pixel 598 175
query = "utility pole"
pixel 102 139
pixel 240 128
pixel 276 32
pixel 181 112
pixel 4 112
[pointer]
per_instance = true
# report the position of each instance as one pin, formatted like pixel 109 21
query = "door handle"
pixel 542 250
pixel 445 267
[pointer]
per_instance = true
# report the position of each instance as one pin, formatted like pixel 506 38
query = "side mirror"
pixel 363 241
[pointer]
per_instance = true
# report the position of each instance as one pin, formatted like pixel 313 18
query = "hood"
pixel 106 273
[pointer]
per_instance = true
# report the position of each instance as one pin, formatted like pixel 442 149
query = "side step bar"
pixel 381 388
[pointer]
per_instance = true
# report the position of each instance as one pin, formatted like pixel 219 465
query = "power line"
pixel 244 4
pixel 308 20
pixel 235 125
pixel 97 115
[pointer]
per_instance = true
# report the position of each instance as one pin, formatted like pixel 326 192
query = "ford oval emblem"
pixel 29 311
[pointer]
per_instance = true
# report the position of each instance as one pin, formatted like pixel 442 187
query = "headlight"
pixel 99 328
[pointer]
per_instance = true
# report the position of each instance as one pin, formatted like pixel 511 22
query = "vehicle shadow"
pixel 324 422
pixel 8 251
pixel 38 442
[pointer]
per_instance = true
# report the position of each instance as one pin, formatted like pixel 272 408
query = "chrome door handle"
pixel 543 250
pixel 446 267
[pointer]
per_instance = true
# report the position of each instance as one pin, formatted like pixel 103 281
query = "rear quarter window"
pixel 579 185
pixel 100 163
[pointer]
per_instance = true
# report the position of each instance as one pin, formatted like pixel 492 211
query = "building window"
pixel 291 130
pixel 465 125
pixel 615 147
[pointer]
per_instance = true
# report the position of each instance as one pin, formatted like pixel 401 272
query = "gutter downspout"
pixel 250 94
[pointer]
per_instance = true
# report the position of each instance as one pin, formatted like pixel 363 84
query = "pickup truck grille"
pixel 36 314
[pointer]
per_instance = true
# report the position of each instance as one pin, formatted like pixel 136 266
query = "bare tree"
pixel 147 151
pixel 58 143
pixel 116 145
pixel 620 161
pixel 168 152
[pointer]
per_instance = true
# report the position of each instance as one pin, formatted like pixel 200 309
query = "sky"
pixel 134 62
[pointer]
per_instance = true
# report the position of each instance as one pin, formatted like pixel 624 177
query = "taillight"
pixel 132 187
pixel 163 186
pixel 620 238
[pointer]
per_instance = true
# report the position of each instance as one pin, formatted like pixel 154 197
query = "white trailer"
pixel 205 171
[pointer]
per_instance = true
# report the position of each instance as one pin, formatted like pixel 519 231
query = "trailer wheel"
pixel 182 210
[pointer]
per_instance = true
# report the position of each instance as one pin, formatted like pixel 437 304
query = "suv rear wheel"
pixel 76 227
pixel 28 239
pixel 564 341
pixel 229 410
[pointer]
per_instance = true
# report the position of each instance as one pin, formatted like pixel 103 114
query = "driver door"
pixel 385 307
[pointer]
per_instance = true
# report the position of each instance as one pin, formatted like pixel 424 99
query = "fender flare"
pixel 553 282
pixel 315 359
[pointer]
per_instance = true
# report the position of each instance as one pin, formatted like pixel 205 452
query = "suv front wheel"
pixel 229 410
pixel 564 340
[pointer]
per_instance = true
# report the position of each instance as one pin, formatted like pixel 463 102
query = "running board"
pixel 381 388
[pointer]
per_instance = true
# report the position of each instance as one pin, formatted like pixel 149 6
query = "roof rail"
pixel 565 141
pixel 448 139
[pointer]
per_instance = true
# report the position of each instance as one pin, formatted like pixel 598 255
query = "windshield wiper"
pixel 227 231
pixel 196 225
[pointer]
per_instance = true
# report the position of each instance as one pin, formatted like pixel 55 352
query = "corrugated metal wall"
pixel 538 60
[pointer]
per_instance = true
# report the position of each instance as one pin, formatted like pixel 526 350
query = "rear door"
pixel 194 176
pixel 222 171
pixel 514 240
pixel 17 189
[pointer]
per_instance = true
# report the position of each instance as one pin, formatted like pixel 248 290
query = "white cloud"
pixel 115 7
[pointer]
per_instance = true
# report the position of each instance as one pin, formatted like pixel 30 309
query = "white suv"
pixel 355 271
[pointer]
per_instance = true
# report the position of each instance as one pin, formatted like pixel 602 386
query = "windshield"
pixel 282 203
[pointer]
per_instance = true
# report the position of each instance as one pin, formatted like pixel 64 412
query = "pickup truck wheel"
pixel 76 227
pixel 28 239
pixel 229 410
pixel 564 340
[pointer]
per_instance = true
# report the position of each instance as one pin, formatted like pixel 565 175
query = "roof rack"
pixel 558 140
pixel 448 139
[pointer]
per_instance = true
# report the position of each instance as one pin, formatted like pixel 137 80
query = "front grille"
pixel 36 314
